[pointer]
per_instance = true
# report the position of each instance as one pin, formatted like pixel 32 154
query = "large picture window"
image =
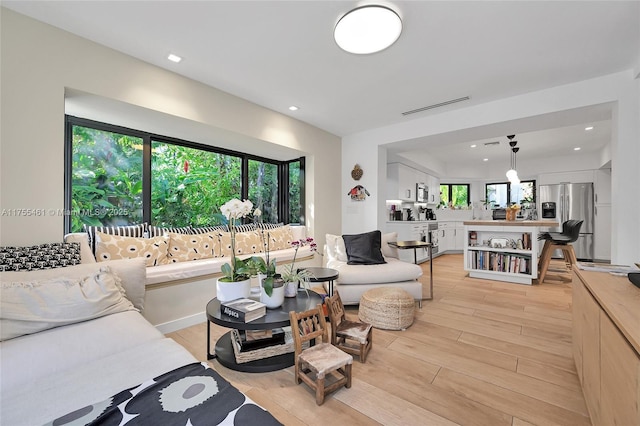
pixel 119 176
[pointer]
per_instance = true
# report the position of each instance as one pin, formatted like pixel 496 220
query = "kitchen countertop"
pixel 415 221
pixel 545 223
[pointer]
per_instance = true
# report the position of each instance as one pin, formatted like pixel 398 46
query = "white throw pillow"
pixel 387 250
pixel 28 307
pixel 86 255
pixel 132 273
pixel 336 248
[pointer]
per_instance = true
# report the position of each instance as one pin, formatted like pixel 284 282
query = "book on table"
pixel 243 309
pixel 256 339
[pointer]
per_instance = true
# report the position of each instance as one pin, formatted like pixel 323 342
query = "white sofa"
pixel 49 373
pixel 354 280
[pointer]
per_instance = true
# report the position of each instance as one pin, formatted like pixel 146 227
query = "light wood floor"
pixel 481 353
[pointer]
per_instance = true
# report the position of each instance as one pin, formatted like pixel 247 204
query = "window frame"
pixel 148 138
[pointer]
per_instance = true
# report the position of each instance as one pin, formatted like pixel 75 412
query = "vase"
pixel 275 300
pixel 291 289
pixel 226 291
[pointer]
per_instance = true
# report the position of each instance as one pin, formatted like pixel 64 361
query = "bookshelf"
pixel 501 252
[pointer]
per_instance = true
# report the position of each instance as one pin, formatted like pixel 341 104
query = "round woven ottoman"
pixel 388 308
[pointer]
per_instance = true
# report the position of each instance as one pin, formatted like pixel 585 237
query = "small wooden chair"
pixel 322 366
pixel 354 337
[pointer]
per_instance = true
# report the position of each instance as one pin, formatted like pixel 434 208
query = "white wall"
pixel 40 63
pixel 620 88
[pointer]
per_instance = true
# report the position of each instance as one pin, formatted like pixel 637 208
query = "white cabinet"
pixel 450 236
pixel 602 233
pixel 401 182
pixel 602 217
pixel 602 186
pixel 434 189
pixel 445 236
pixel 458 237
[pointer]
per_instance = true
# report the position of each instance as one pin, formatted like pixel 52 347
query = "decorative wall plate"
pixel 357 172
pixel 358 193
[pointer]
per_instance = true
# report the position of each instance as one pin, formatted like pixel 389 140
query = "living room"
pixel 45 70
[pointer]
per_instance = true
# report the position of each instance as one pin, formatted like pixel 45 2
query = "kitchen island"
pixel 503 250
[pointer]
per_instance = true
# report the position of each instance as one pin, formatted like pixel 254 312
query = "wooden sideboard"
pixel 606 346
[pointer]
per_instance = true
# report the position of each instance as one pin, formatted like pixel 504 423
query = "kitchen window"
pixel 503 194
pixel 456 193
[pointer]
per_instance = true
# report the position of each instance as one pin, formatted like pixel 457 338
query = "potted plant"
pixel 271 283
pixel 293 276
pixel 236 275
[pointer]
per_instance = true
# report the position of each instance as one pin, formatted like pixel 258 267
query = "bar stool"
pixel 559 241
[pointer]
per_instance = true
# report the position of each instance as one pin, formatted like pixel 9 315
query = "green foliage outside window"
pixel 294 192
pixel 263 189
pixel 189 185
pixel 106 178
pixel 457 194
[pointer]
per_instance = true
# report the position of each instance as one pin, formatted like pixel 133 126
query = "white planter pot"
pixel 226 291
pixel 291 289
pixel 275 300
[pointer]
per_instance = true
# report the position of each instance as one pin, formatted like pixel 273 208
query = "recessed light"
pixel 174 58
pixel 577 148
pixel 367 29
pixel 588 128
pixel 474 145
pixel 485 159
pixel 293 108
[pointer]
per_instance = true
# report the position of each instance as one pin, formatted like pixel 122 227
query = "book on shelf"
pixel 243 309
pixel 250 340
pixel 500 262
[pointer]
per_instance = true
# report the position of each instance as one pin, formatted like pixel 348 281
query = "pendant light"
pixel 512 174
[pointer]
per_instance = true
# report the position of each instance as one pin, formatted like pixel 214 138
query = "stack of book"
pixel 251 340
pixel 243 309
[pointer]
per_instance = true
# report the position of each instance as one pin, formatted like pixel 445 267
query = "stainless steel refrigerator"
pixel 570 201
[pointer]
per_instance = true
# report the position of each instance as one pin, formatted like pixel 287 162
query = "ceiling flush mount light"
pixel 512 174
pixel 485 159
pixel 474 145
pixel 589 128
pixel 293 108
pixel 577 148
pixel 367 29
pixel 174 58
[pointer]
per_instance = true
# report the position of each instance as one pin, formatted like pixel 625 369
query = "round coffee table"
pixel 274 318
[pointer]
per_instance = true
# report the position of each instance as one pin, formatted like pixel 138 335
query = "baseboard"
pixel 179 324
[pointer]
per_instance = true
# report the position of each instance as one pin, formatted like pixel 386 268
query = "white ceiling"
pixel 282 53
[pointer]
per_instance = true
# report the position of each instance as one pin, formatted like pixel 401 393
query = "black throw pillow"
pixel 364 249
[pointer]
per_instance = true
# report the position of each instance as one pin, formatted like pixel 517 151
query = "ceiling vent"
pixel 441 104
pixel 492 143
